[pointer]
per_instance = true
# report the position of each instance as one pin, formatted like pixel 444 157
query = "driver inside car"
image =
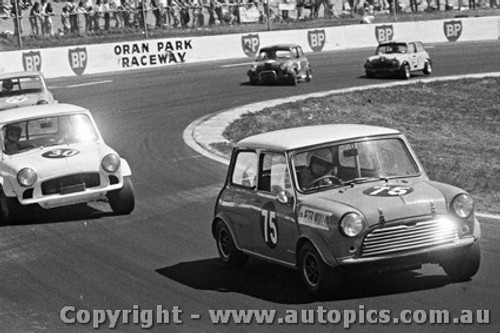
pixel 320 170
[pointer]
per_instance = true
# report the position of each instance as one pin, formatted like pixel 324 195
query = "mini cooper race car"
pixel 399 58
pixel 52 156
pixel 23 89
pixel 280 63
pixel 329 199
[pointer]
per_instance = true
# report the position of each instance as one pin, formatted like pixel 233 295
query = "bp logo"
pixel 317 39
pixel 269 225
pixel 453 30
pixel 60 153
pixel 250 44
pixel 32 61
pixel 78 59
pixel 384 33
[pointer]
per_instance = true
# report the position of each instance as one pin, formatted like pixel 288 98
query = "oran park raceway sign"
pixel 152 53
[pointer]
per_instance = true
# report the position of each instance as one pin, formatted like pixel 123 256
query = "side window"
pixel 412 48
pixel 245 169
pixel 420 47
pixel 273 173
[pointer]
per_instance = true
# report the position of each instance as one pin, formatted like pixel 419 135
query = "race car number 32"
pixel 388 191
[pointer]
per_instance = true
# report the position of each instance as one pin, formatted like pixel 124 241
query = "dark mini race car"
pixel 23 89
pixel 280 64
pixel 399 58
pixel 331 199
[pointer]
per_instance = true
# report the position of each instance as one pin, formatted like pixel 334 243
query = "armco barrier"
pixel 122 56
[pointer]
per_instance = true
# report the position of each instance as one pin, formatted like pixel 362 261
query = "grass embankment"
pixel 453 126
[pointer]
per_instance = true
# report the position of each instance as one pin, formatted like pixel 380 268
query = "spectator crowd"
pixel 80 17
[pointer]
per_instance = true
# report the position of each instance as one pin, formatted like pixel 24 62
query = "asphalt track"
pixel 163 254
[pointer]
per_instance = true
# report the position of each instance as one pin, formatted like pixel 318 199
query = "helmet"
pixel 7 84
pixel 320 161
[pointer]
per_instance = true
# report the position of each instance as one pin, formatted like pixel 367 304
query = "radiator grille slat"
pixel 403 237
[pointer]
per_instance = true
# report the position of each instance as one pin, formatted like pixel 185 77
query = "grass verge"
pixel 453 126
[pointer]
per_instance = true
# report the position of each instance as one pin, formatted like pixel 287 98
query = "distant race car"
pixel 54 155
pixel 399 58
pixel 23 89
pixel 328 199
pixel 280 64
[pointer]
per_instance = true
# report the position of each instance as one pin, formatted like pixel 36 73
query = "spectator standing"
pixel 65 20
pixel 88 15
pixel 48 22
pixel 97 15
pixel 210 4
pixel 173 8
pixel 155 8
pixel 106 14
pixel 472 4
pixel 127 13
pixel 184 13
pixel 141 15
pixel 17 13
pixel 116 12
pixel 35 18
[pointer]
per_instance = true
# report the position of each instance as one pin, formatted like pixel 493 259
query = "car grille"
pixel 406 237
pixel 383 65
pixel 69 184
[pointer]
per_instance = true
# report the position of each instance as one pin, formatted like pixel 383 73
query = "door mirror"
pixel 284 197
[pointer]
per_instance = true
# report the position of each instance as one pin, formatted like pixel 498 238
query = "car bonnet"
pixel 19 101
pixel 59 160
pixel 392 200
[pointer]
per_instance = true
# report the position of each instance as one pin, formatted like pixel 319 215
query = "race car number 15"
pixel 388 190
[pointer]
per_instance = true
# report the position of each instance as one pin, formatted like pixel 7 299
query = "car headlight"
pixel 42 101
pixel 352 224
pixel 395 62
pixel 26 177
pixel 111 162
pixel 462 205
pixel 253 68
pixel 283 67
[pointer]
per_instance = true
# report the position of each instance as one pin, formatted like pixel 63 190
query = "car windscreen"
pixel 21 85
pixel 47 131
pixel 392 48
pixel 340 164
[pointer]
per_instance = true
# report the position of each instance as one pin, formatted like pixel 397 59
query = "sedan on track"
pixel 23 89
pixel 53 156
pixel 329 199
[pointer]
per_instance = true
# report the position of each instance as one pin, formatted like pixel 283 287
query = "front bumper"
pixel 415 257
pixel 78 193
pixel 269 76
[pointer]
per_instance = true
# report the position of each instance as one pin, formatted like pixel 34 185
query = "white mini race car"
pixel 53 156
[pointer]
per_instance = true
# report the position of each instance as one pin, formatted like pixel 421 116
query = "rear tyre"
pixel 318 277
pixel 405 72
pixel 427 68
pixel 228 252
pixel 370 74
pixel 122 201
pixel 465 265
pixel 253 81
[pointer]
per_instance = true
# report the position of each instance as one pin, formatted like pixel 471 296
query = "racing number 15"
pixel 270 228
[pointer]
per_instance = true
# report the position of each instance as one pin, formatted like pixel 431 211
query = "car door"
pixel 412 50
pixel 239 198
pixel 276 233
pixel 422 55
pixel 304 63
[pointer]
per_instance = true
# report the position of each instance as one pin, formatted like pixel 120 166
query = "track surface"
pixel 164 254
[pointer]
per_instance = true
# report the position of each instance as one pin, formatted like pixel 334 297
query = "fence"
pixel 21 20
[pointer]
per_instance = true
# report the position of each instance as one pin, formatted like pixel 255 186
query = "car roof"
pixel 37 111
pixel 400 41
pixel 19 74
pixel 305 136
pixel 279 46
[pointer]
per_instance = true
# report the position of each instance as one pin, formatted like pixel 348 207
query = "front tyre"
pixel 228 252
pixel 308 75
pixel 293 79
pixel 10 209
pixel 122 201
pixel 318 277
pixel 369 74
pixel 405 72
pixel 465 265
pixel 427 68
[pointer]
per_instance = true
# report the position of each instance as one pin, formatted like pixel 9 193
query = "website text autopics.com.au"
pixel 147 318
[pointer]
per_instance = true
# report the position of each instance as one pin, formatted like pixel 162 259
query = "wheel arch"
pixel 319 244
pixel 223 218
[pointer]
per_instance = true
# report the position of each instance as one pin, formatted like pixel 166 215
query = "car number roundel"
pixel 269 225
pixel 60 153
pixel 388 190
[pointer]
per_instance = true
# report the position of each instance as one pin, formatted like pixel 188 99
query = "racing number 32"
pixel 269 226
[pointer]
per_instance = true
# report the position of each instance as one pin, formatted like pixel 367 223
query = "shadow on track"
pixel 279 284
